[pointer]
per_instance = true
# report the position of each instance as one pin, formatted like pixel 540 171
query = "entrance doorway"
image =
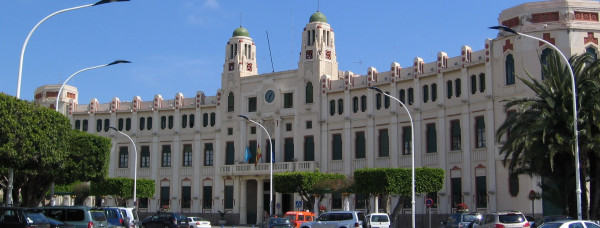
pixel 251 203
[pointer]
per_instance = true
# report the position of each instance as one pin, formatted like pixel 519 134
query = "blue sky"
pixel 179 45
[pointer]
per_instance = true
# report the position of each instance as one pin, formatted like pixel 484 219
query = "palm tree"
pixel 538 130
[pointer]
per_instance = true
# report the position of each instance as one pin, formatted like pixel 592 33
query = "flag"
pixel 273 156
pixel 258 155
pixel 247 154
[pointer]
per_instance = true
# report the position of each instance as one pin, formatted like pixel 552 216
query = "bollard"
pixel 233 226
pixel 252 225
pixel 222 225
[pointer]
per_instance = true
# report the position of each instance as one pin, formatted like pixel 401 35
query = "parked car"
pixel 377 220
pixel 461 220
pixel 198 222
pixel 58 224
pixel 19 217
pixel 570 224
pixel 278 222
pixel 299 217
pixel 166 219
pixel 337 219
pixel 131 217
pixel 79 216
pixel 114 216
pixel 550 218
pixel 503 219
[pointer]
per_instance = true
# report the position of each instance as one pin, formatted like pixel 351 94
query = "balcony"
pixel 264 168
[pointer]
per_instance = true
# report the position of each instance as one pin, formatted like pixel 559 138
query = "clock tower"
pixel 317 55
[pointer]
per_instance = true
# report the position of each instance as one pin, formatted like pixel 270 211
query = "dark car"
pixel 18 217
pixel 550 218
pixel 278 222
pixel 166 219
pixel 461 220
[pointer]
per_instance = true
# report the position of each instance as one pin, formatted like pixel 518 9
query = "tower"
pixel 317 55
pixel 240 55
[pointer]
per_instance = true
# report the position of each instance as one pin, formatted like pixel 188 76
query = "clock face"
pixel 270 96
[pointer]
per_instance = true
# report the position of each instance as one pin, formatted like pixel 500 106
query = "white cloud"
pixel 212 4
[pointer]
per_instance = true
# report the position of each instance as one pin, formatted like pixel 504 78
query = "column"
pixel 243 202
pixel 260 198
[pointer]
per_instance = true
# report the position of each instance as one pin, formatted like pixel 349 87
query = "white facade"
pixel 465 114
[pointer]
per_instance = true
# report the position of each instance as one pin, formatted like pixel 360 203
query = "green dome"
pixel 318 17
pixel 241 31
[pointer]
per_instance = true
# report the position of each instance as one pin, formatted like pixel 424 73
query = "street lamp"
pixel 575 132
pixel 270 163
pixel 412 153
pixel 18 95
pixel 38 24
pixel 134 165
pixel 82 70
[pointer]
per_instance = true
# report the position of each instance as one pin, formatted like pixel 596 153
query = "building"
pixel 321 117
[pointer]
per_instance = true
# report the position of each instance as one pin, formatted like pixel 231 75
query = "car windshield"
pixel 35 217
pixel 511 218
pixel 279 221
pixel 291 217
pixel 470 218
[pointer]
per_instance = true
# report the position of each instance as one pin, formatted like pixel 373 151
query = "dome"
pixel 241 31
pixel 318 17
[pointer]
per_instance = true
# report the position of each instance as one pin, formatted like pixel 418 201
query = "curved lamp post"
pixel 38 24
pixel 575 131
pixel 270 163
pixel 58 97
pixel 134 165
pixel 412 153
pixel 18 95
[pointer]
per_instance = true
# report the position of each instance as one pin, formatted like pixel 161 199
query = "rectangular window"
pixel 123 157
pixel 456 188
pixel 228 197
pixel 187 155
pixel 252 104
pixel 406 141
pixel 455 135
pixel 145 158
pixel 336 147
pixel 288 100
pixel 360 145
pixel 166 156
pixel 165 195
pixel 288 127
pixel 186 197
pixel 336 202
pixel 481 188
pixel 309 148
pixel 431 138
pixel 229 153
pixel 143 203
pixel 288 150
pixel 208 154
pixel 207 197
pixel 384 143
pixel 308 124
pixel 479 132
pixel 360 201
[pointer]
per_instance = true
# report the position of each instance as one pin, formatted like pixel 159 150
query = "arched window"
pixel 378 101
pixel 78 124
pixel 340 106
pixel 481 82
pixel 205 119
pixel 230 102
pixel 128 124
pixel 163 122
pixel 363 103
pixel 411 97
pixel 149 125
pixel 84 125
pixel 184 121
pixel 449 89
pixel 402 96
pixel 386 101
pixel 120 124
pixel 591 51
pixel 425 93
pixel 309 93
pixel 473 84
pixel 433 92
pixel 544 59
pixel 213 118
pixel 457 85
pixel 331 107
pixel 509 65
pixel 142 123
pixel 355 104
pixel 170 122
pixel 98 125
pixel 192 120
pixel 106 125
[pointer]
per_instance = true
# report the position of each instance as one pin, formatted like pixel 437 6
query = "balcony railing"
pixel 264 168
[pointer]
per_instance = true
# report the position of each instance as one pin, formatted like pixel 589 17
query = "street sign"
pixel 429 202
pixel 299 204
pixel 278 205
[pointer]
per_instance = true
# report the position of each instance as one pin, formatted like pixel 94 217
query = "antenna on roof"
pixel 270 54
pixel 318 5
pixel 240 19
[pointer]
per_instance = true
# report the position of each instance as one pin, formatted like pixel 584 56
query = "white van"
pixel 131 217
pixel 377 220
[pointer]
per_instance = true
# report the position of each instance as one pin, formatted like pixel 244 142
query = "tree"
pixel 33 142
pixel 121 188
pixel 305 184
pixel 397 181
pixel 539 136
pixel 39 144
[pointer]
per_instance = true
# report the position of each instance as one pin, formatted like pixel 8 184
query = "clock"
pixel 269 96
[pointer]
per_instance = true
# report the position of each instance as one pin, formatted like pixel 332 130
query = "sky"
pixel 178 46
